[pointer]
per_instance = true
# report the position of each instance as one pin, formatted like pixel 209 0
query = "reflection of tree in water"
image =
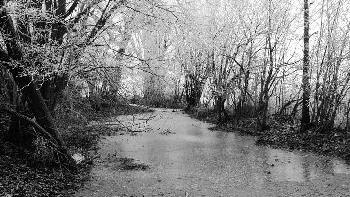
pixel 307 167
pixel 285 166
pixel 326 166
pixel 289 166
pixel 340 167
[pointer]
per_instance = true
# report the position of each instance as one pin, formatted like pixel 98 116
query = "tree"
pixel 44 44
pixel 305 119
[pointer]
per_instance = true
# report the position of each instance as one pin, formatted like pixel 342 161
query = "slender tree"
pixel 305 119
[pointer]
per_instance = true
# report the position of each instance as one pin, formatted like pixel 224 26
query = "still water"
pixel 188 159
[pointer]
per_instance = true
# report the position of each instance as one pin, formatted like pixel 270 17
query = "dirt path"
pixel 180 156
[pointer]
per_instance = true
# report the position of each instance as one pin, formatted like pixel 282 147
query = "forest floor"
pixel 283 134
pixel 24 174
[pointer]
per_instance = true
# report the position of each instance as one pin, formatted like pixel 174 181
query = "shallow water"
pixel 188 159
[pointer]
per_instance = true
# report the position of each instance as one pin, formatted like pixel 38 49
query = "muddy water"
pixel 188 159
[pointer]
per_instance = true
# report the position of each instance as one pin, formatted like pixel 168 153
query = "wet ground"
pixel 180 156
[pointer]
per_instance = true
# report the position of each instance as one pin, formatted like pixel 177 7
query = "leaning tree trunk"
pixel 29 86
pixel 25 82
pixel 305 119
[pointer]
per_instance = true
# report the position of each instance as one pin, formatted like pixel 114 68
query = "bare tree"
pixel 43 44
pixel 305 119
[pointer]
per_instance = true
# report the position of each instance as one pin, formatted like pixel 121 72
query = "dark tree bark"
pixel 268 78
pixel 242 109
pixel 52 90
pixel 220 108
pixel 305 119
pixel 193 90
pixel 262 111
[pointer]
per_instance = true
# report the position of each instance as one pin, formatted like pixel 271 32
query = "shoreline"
pixel 21 176
pixel 284 136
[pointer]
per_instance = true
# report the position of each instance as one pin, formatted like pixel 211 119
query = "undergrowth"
pixel 283 132
pixel 39 172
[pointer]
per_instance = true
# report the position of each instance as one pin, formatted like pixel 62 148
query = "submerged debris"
pixel 130 164
pixel 124 163
pixel 167 132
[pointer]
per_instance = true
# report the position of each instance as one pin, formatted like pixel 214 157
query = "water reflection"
pixel 212 154
pixel 286 166
pixel 301 167
pixel 340 167
pixel 211 162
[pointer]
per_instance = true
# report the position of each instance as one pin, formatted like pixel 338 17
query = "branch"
pixel 71 9
pixel 287 104
pixel 79 15
pixel 31 122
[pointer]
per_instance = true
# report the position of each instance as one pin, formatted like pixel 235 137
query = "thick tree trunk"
pixel 305 119
pixel 18 133
pixel 220 108
pixel 242 110
pixel 52 90
pixel 262 112
pixel 193 89
pixel 40 110
pixel 42 115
